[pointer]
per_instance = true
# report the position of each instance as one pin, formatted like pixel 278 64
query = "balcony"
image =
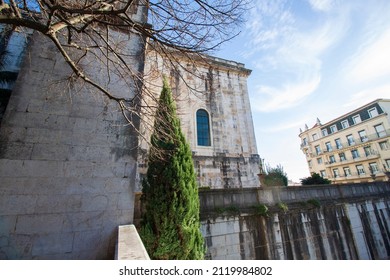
pixel 356 141
pixel 355 176
pixel 373 155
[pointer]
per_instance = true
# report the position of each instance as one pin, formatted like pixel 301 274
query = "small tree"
pixel 315 179
pixel 275 176
pixel 170 227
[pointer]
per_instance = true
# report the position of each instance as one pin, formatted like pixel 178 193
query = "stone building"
pixel 67 158
pixel 213 105
pixel 352 148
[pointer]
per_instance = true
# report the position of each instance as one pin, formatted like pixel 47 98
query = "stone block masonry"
pixel 67 164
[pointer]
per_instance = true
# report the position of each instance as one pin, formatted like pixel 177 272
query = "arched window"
pixel 203 128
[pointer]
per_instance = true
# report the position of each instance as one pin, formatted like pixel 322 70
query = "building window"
pixel 373 168
pixel 324 132
pixel 350 140
pixel 387 163
pixel 384 145
pixel 347 171
pixel 318 149
pixel 333 128
pixel 355 154
pixel 338 143
pixel 323 173
pixel 304 141
pixel 319 160
pixel 344 124
pixel 309 163
pixel 332 159
pixel 342 157
pixel 336 173
pixel 360 169
pixel 373 112
pixel 315 136
pixel 380 130
pixel 328 146
pixel 363 136
pixel 203 128
pixel 367 151
pixel 356 119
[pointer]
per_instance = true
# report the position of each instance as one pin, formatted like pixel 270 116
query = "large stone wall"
pixel 321 222
pixel 67 161
pixel 220 88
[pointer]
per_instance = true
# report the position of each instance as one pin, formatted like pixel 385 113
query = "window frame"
pixel 344 124
pixel 373 109
pixel 363 135
pixel 383 145
pixel 318 149
pixel 347 171
pixel 201 131
pixel 350 140
pixel 360 171
pixel 355 153
pixel 373 167
pixel 338 143
pixel 356 117
pixel 381 133
pixel 328 146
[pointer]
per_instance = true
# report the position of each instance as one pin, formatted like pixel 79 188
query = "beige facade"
pixel 352 148
pixel 209 92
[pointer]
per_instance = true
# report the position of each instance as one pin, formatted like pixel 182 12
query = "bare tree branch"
pixel 98 32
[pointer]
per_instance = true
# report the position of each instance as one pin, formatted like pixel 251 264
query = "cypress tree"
pixel 170 227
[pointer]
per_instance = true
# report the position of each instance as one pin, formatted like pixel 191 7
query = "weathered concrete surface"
pixel 322 222
pixel 67 162
pixel 130 246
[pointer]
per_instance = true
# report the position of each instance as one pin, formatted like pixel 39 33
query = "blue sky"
pixel 309 59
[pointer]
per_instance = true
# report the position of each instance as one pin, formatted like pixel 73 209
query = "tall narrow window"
pixel 203 128
pixel 380 130
pixel 338 143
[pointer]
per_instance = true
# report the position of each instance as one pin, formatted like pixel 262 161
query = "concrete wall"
pixel 322 222
pixel 67 162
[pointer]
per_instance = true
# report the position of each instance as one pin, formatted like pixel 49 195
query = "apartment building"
pixel 352 148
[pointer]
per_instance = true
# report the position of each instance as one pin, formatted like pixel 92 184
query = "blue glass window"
pixel 203 128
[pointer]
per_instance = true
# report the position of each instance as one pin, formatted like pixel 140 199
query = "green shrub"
pixel 283 206
pixel 314 202
pixel 261 210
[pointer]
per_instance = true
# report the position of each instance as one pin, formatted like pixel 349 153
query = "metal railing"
pixel 356 141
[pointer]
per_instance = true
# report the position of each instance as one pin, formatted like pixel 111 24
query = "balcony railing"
pixel 357 175
pixel 356 141
pixel 373 154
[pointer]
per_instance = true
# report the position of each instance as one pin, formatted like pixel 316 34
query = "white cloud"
pixel 268 99
pixel 267 24
pixel 373 62
pixel 290 53
pixel 365 96
pixel 321 5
